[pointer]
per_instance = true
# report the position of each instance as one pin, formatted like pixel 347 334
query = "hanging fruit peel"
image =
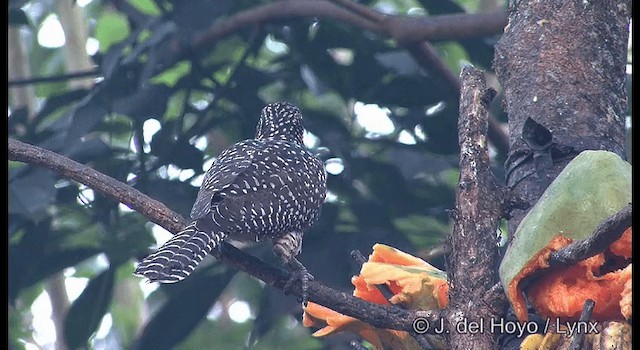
pixel 562 292
pixel 592 187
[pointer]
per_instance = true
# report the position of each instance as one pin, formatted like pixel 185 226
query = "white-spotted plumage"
pixel 269 187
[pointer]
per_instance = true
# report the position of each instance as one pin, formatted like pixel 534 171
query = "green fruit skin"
pixel 591 188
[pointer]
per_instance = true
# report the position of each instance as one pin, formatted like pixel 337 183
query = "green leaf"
pixel 171 76
pixel 423 231
pixel 16 330
pixel 87 311
pixel 127 306
pixel 111 29
pixel 31 194
pixel 25 271
pixel 17 17
pixel 453 54
pixel 184 310
pixel 148 7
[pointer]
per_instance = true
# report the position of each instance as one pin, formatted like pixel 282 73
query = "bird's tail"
pixel 180 255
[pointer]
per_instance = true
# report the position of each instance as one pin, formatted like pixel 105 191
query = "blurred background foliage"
pixel 153 113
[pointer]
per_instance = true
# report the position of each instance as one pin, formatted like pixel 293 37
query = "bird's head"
pixel 280 120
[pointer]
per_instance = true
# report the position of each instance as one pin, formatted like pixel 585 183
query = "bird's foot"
pixel 298 273
pixel 287 247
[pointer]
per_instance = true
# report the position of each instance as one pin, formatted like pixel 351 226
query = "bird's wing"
pixel 231 163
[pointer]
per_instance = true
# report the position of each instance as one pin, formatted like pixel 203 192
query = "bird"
pixel 266 188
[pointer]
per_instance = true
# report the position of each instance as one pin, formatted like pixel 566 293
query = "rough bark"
pixel 562 64
pixel 474 295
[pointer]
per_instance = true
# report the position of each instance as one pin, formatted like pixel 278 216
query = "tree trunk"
pixel 562 64
pixel 76 34
pixel 18 62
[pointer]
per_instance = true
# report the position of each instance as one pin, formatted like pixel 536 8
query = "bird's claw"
pixel 298 272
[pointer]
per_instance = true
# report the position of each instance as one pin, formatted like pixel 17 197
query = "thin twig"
pixel 429 58
pixel 383 288
pixel 276 11
pixel 578 337
pixel 403 28
pixel 456 26
pixel 361 10
pixel 606 233
pixel 55 78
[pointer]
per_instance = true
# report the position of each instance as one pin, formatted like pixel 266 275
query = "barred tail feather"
pixel 179 256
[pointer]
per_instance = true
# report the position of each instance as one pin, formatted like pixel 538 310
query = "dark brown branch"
pixel 606 233
pixel 389 317
pixel 401 28
pixel 280 10
pixel 578 337
pixel 54 78
pixel 429 58
pixel 472 253
pixel 363 11
pixel 413 29
pixel 150 208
